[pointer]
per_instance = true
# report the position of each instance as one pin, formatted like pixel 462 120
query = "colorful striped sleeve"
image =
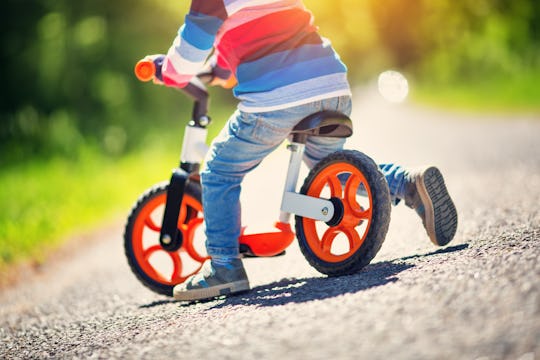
pixel 194 42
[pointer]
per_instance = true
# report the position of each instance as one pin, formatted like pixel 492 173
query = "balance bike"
pixel 342 211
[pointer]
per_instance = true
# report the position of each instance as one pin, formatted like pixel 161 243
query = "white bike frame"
pixel 194 149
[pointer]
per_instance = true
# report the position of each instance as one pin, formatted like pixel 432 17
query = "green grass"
pixel 45 202
pixel 517 94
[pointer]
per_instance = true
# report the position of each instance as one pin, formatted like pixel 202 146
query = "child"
pixel 285 71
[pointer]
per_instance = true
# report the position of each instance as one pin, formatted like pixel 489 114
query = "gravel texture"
pixel 477 298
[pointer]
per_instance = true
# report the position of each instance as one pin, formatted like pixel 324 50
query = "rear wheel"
pixel 349 244
pixel 156 268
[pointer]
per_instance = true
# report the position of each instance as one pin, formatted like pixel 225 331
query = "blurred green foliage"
pixel 67 65
pixel 45 203
pixel 441 41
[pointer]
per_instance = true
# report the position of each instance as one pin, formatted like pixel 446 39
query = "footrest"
pixel 267 244
pixel 246 252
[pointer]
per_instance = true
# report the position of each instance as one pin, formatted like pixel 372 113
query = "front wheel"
pixel 353 179
pixel 157 268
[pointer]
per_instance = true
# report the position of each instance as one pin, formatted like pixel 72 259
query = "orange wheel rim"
pixel 145 251
pixel 320 237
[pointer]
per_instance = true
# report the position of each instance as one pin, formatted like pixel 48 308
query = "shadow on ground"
pixel 288 291
pixel 446 250
pixel 302 290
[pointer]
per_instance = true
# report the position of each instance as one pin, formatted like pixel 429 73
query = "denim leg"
pixel 319 147
pixel 242 144
pixel 395 177
pixel 233 154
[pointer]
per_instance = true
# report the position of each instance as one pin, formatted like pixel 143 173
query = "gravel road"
pixel 477 298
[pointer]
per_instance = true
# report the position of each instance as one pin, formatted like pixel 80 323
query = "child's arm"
pixel 194 42
pixel 213 73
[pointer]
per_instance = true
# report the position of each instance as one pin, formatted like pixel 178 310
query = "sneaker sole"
pixel 212 292
pixel 440 211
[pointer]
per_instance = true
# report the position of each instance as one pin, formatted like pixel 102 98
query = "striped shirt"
pixel 271 46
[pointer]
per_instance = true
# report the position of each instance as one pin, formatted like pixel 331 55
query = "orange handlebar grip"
pixel 145 70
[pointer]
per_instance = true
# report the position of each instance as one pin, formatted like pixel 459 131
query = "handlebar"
pixel 145 70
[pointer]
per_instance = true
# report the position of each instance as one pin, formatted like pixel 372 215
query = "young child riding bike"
pixel 285 71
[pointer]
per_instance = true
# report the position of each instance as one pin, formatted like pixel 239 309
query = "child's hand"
pixel 158 60
pixel 220 76
pixel 225 83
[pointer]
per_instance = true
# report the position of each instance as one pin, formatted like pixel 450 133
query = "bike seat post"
pixel 297 148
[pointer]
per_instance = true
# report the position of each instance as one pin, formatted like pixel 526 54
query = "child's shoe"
pixel 426 193
pixel 212 281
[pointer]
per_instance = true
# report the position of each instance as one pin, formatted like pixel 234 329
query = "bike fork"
pixel 302 205
pixel 193 150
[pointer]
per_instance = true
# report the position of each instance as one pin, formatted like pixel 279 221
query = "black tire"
pixel 374 230
pixel 158 190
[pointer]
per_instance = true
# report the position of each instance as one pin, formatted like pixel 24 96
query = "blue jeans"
pixel 243 143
